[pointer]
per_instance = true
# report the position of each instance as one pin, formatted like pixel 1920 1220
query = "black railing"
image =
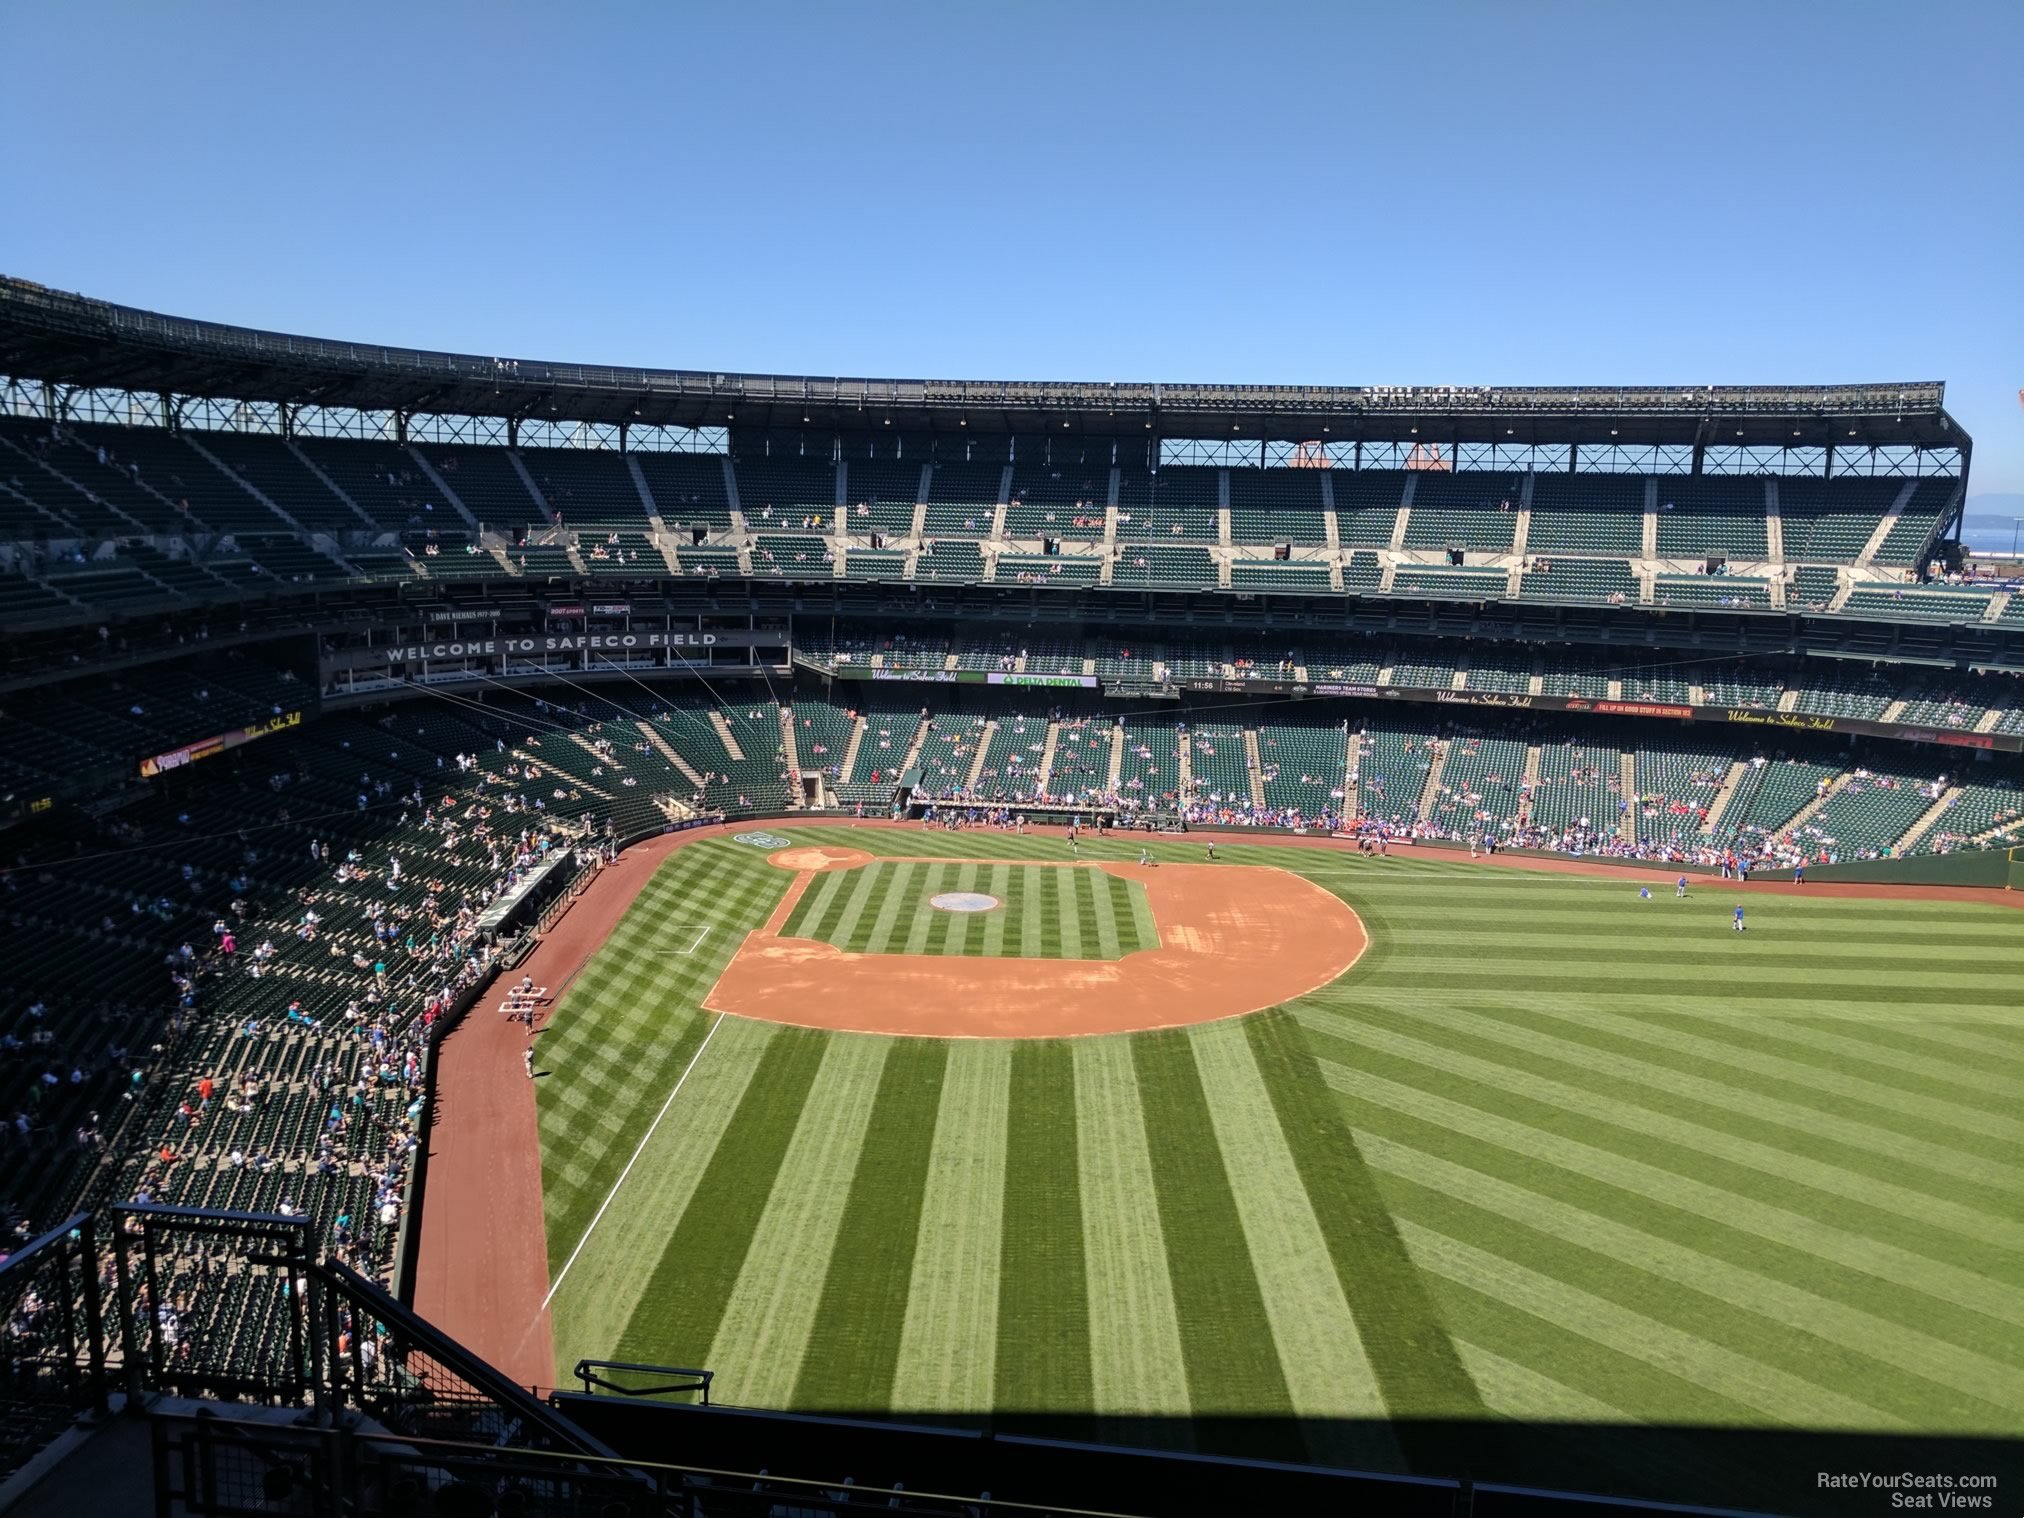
pixel 53 1344
pixel 626 1378
pixel 398 1418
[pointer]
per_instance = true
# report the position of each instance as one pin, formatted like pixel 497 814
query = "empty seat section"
pixel 1975 814
pixel 1474 510
pixel 1178 502
pixel 1558 579
pixel 1304 576
pixel 708 560
pixel 1425 669
pixel 881 494
pixel 1829 521
pixel 1571 675
pixel 1586 514
pixel 1712 516
pixel 542 561
pixel 1162 567
pixel 1392 770
pixel 269 465
pixel 1867 814
pixel 1508 671
pixel 1354 663
pixel 381 479
pixel 1905 544
pixel 485 480
pixel 1720 592
pixel 963 498
pixel 1578 790
pixel 168 464
pixel 822 735
pixel 1734 685
pixel 1277 506
pixel 1367 505
pixel 1915 604
pixel 1150 776
pixel 1195 661
pixel 874 564
pixel 784 492
pixel 952 560
pixel 1851 693
pixel 1047 569
pixel 1064 496
pixel 1811 589
pixel 1303 767
pixel 1218 765
pixel 688 489
pixel 620 553
pixel 784 556
pixel 1463 582
pixel 1668 683
pixel 1944 709
pixel 1481 787
pixel 64 476
pixel 586 485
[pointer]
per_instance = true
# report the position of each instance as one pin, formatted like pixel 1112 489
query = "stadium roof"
pixel 69 339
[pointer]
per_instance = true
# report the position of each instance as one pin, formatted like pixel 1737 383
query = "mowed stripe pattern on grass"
pixel 1044 912
pixel 1549 1151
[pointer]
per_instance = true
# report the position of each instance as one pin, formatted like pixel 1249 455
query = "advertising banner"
pixel 190 753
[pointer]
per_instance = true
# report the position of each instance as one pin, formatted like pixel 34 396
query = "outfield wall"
pixel 1980 867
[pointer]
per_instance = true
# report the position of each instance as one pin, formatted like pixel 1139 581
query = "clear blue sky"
pixel 1461 193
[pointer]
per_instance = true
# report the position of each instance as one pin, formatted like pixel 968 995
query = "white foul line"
pixel 557 1286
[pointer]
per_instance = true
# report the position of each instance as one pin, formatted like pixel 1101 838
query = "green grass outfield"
pixel 1549 1153
pixel 1046 912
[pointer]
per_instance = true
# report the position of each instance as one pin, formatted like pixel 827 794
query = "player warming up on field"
pixel 1739 917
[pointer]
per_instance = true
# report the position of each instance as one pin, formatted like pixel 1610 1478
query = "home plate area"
pixel 995 949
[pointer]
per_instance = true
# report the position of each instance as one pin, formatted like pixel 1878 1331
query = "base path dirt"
pixel 1233 939
pixel 482 1272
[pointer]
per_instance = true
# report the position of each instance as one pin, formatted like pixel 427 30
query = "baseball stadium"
pixel 595 941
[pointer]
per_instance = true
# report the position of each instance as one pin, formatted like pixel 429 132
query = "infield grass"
pixel 1549 1155
pixel 1044 911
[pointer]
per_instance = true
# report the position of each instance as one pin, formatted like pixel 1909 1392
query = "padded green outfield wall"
pixel 1979 867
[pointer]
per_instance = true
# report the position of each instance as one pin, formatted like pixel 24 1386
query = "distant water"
pixel 1986 534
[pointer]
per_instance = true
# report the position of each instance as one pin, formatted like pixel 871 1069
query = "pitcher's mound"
pixel 819 859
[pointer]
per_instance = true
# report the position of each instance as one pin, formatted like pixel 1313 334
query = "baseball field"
pixel 1536 1149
